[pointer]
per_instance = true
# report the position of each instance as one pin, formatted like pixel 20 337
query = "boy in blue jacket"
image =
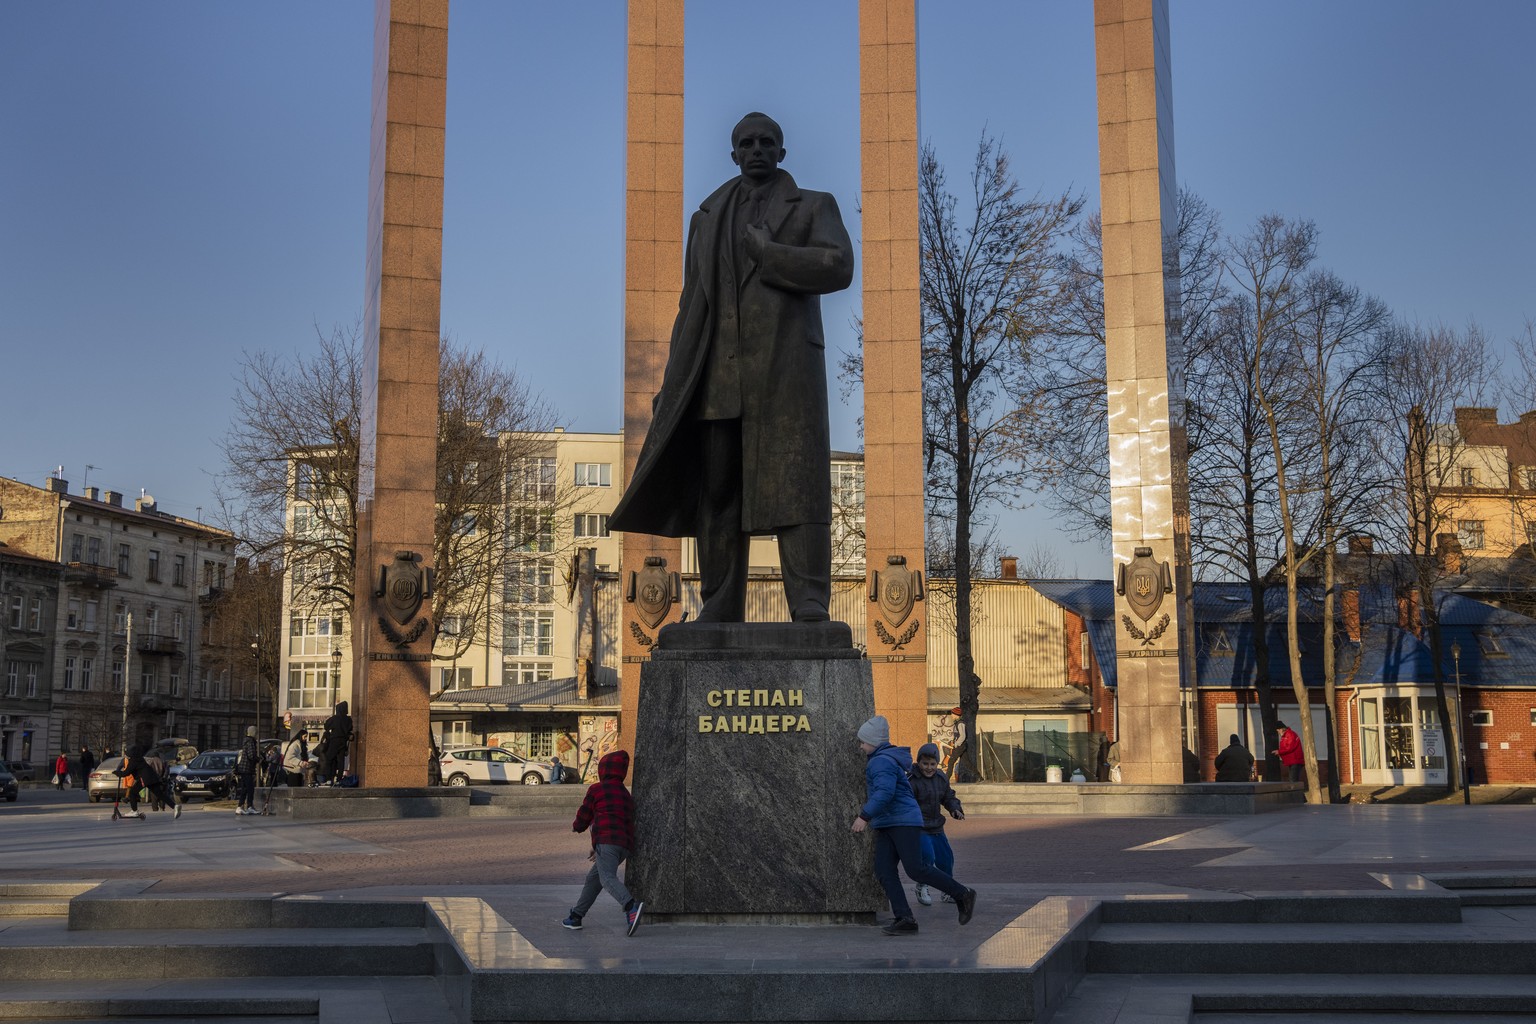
pixel 892 811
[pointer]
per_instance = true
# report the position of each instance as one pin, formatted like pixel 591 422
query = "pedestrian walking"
pixel 609 810
pixel 61 771
pixel 892 811
pixel 934 796
pixel 1289 749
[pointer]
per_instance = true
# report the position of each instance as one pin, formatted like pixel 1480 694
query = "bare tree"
pixel 1337 354
pixel 290 486
pixel 245 634
pixel 992 287
pixel 1430 372
pixel 1266 266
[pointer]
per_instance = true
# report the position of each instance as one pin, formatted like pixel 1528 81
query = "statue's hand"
pixel 756 239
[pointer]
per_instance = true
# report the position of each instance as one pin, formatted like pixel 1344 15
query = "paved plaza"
pixel 1038 876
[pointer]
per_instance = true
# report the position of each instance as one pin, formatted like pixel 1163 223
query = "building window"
pixel 12 677
pixel 69 673
pixel 1471 534
pixel 176 625
pixel 1528 474
pixel 1082 650
pixel 207 573
pixel 153 622
pixel 120 619
pixel 146 678
pixel 530 581
pixel 72 615
pixel 175 682
pixel 518 673
pixel 530 633
pixel 591 525
pixel 91 608
pixel 179 571
pixel 541 742
pixel 531 480
pixel 76 547
pixel 219 569
pixel 93 550
pixel 457 734
pixel 152 571
pixel 1480 717
pixel 87 669
pixel 455 678
pixel 124 559
pixel 594 474
pixel 117 676
pixel 31 679
pixel 1468 477
pixel 18 611
pixel 1530 535
pixel 35 620
pixel 312 685
pixel 530 530
pixel 314 634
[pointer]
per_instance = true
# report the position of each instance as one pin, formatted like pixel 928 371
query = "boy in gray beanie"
pixel 892 811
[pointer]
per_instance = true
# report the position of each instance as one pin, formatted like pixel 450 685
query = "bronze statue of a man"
pixel 739 443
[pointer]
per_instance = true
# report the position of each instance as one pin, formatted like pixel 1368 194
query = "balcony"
pixel 83 574
pixel 155 643
pixel 154 702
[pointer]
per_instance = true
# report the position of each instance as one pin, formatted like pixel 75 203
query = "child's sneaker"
pixel 923 895
pixel 946 898
pixel 967 904
pixel 573 922
pixel 633 915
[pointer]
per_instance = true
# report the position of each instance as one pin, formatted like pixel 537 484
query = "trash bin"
pixel 1053 773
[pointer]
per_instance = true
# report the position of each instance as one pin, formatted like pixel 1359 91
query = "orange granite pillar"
pixel 897 638
pixel 1148 450
pixel 653 280
pixel 392 634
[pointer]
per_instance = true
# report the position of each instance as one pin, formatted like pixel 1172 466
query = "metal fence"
pixel 1024 756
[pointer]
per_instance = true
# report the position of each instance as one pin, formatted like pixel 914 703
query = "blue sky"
pixel 183 181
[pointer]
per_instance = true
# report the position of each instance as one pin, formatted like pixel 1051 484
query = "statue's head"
pixel 757 146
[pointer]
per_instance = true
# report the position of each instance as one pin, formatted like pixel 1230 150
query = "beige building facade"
pixel 128 634
pixel 1484 481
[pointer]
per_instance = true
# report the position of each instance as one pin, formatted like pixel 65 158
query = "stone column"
pixel 653 280
pixel 399 403
pixel 897 633
pixel 1149 487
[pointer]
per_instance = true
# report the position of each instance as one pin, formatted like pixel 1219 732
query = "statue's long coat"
pixel 785 440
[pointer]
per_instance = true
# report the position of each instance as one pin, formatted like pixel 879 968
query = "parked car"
pixel 493 765
pixel 21 770
pixel 174 751
pixel 9 788
pixel 211 775
pixel 102 784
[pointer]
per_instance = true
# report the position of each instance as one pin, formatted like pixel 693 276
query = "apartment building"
pixel 126 632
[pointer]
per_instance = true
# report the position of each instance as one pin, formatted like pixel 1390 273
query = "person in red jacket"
pixel 610 812
pixel 1289 751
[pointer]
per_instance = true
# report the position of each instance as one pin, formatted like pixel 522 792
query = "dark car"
pixel 211 775
pixel 23 771
pixel 9 787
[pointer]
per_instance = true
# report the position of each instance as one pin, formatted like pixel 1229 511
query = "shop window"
pixel 1480 717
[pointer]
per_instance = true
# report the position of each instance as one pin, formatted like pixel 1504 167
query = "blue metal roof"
pixel 1498 646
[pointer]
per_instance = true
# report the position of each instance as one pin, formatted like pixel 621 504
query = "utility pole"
pixel 122 735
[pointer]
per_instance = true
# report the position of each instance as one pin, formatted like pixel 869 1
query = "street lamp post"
pixel 335 674
pixel 1461 725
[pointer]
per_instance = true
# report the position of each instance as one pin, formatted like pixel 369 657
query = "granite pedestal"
pixel 748 775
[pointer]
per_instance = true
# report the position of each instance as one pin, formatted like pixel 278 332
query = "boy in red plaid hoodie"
pixel 610 811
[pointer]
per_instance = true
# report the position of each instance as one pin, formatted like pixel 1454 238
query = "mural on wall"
pixel 599 736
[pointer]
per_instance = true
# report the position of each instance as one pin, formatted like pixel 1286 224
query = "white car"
pixel 494 765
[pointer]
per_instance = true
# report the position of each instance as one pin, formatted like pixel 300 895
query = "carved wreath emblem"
pixel 405 639
pixel 1146 638
pixel 896 642
pixel 640 635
